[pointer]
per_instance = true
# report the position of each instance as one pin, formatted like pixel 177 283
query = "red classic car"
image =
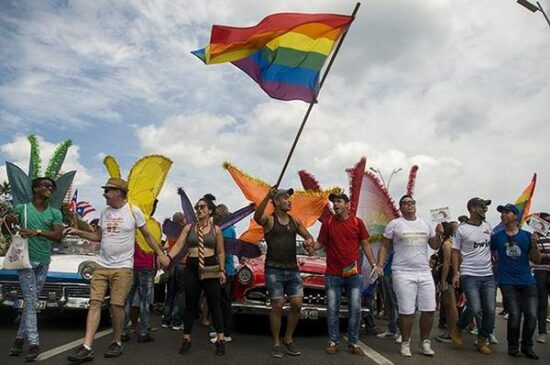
pixel 250 295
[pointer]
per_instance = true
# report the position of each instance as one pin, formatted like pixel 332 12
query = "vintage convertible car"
pixel 250 295
pixel 67 285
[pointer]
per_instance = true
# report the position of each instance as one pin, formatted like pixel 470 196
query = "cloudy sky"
pixel 459 87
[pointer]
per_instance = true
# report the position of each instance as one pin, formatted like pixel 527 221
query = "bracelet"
pixel 222 270
pixel 169 257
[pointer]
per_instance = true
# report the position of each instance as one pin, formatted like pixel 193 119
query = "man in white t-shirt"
pixel 472 269
pixel 412 278
pixel 117 234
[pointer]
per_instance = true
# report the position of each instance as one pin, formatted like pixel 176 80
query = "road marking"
pixel 58 350
pixel 373 355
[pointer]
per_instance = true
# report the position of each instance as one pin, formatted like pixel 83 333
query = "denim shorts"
pixel 280 282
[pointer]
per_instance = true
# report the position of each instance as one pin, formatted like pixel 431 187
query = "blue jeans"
pixel 390 302
pixel 352 285
pixel 521 299
pixel 142 284
pixel 31 281
pixel 175 298
pixel 480 293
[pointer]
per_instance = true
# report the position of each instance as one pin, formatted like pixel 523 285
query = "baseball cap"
pixel 508 208
pixel 116 183
pixel 280 192
pixel 474 202
pixel 333 196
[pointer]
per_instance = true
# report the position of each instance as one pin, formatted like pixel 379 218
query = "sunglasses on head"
pixel 200 206
pixel 408 202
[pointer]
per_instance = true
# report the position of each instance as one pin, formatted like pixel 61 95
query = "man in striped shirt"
pixel 542 279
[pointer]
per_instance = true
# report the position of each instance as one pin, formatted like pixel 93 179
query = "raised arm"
pixel 259 216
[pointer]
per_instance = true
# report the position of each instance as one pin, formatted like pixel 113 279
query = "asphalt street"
pixel 251 345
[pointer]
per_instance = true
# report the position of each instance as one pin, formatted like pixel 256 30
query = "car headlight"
pixel 86 270
pixel 245 276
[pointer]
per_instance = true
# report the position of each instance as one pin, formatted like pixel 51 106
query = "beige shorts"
pixel 118 281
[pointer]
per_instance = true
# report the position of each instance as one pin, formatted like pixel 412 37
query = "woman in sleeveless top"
pixel 204 270
pixel 448 296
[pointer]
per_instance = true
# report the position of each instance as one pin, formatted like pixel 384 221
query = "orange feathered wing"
pixel 306 205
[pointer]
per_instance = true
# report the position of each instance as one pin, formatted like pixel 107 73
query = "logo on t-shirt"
pixel 513 250
pixel 414 238
pixel 481 244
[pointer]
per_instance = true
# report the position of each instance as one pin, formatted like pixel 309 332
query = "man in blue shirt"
pixel 515 248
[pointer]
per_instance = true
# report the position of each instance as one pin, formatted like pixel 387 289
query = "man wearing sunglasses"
pixel 40 224
pixel 473 271
pixel 117 233
pixel 412 277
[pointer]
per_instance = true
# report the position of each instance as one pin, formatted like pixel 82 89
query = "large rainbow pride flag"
pixel 284 53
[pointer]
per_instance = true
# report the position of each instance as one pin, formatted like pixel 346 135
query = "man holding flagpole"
pixel 281 267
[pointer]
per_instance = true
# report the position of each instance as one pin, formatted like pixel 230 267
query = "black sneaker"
pixel 33 353
pixel 125 338
pixel 276 352
pixel 185 347
pixel 145 338
pixel 220 347
pixel 291 348
pixel 113 350
pixel 530 354
pixel 17 347
pixel 514 353
pixel 81 354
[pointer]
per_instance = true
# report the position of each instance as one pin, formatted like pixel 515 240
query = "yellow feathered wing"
pixel 145 182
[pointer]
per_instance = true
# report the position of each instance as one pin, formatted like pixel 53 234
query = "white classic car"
pixel 67 285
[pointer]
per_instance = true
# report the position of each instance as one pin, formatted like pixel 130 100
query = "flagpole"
pixel 306 116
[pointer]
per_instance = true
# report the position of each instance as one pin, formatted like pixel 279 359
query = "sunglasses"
pixel 200 206
pixel 47 185
pixel 408 202
pixel 106 190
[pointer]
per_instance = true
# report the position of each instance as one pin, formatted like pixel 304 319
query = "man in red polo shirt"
pixel 343 236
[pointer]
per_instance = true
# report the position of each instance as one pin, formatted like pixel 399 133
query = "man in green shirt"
pixel 41 224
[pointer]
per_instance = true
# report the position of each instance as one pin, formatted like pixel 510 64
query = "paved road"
pixel 251 346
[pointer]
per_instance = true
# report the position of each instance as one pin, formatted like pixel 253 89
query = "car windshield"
pixel 72 245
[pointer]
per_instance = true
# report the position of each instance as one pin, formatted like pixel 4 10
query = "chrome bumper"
pixel 312 312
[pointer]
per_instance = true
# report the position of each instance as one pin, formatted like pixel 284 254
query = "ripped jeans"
pixel 31 281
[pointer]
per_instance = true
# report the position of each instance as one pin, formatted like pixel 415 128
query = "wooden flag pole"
pixel 306 116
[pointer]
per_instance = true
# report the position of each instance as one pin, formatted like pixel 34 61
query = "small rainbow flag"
pixel 523 203
pixel 284 53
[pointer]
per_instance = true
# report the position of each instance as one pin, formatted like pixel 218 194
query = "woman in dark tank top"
pixel 196 278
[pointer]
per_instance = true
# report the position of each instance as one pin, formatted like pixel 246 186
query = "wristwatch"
pixel 38 232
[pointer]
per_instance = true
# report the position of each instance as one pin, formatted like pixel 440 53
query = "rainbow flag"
pixel 284 53
pixel 523 203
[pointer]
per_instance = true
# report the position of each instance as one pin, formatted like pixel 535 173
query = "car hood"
pixel 62 267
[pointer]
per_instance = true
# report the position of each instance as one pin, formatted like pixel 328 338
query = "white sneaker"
pixel 541 338
pixel 177 328
pixel 426 347
pixel 227 339
pixel 493 339
pixel 212 334
pixel 399 339
pixel 387 334
pixel 406 349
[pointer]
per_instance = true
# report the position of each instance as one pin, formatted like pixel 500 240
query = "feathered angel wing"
pixel 145 181
pixel 412 180
pixel 355 176
pixel 63 184
pixel 375 206
pixel 309 182
pixel 187 207
pixel 306 205
pixel 20 183
pixel 112 167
